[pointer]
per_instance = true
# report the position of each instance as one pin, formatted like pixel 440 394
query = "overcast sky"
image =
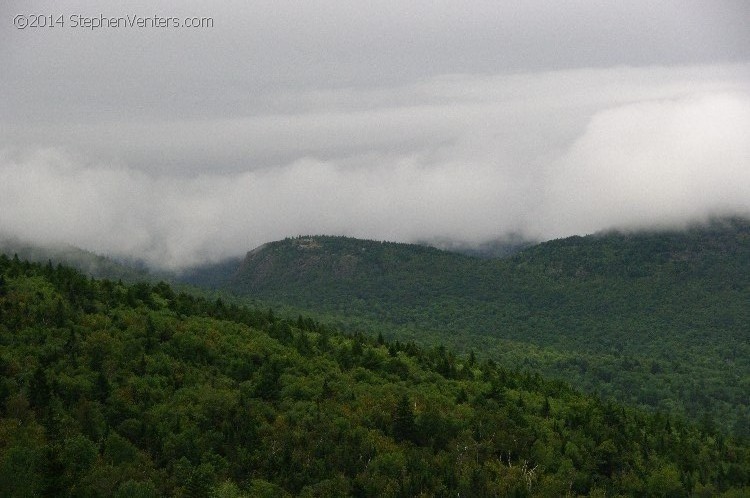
pixel 390 120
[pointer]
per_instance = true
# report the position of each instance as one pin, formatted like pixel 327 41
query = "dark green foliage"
pixel 145 392
pixel 403 420
pixel 85 261
pixel 656 319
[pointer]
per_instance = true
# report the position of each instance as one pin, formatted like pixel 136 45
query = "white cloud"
pixel 462 157
pixel 651 163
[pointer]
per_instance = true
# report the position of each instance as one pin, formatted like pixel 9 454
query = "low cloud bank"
pixel 461 158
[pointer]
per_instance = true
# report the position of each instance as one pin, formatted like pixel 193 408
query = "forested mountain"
pixel 501 247
pixel 658 319
pixel 655 319
pixel 87 262
pixel 115 390
pixel 210 276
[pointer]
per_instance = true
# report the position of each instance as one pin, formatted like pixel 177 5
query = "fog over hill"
pixel 432 122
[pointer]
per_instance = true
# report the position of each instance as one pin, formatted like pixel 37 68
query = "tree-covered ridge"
pixel 657 319
pixel 110 389
pixel 87 262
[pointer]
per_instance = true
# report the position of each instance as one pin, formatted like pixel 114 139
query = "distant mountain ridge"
pixel 85 261
pixel 332 259
pixel 655 318
pixel 329 263
pixel 500 247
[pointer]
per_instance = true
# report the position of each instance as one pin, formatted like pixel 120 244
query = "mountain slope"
pixel 115 390
pixel 87 262
pixel 658 319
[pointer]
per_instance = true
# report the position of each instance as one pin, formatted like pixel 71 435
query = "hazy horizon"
pixel 426 121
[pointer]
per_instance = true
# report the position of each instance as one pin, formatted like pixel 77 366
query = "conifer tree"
pixel 403 420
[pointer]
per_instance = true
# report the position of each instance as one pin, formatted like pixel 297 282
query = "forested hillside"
pixel 656 319
pixel 115 390
pixel 87 262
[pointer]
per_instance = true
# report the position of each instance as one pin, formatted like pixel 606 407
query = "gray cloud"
pixel 401 122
